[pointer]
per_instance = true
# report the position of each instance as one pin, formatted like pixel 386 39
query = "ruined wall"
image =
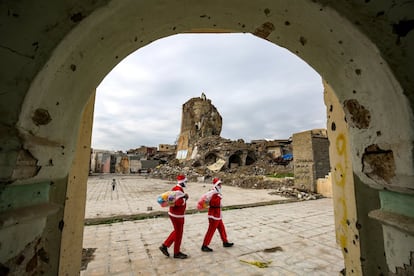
pixel 303 160
pixel 324 186
pixel 124 165
pixel 166 148
pixel 311 158
pixel 199 119
pixel 134 163
pixel 320 147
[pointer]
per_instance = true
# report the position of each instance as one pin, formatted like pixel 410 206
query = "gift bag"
pixel 204 201
pixel 168 198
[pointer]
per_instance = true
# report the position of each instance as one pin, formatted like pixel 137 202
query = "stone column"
pixel 74 212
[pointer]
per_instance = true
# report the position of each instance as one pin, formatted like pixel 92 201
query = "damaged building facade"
pixel 200 143
pixel 200 146
pixel 202 153
pixel 311 162
pixel 199 119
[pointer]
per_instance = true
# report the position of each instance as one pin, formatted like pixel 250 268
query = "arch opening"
pixel 235 160
pixel 210 158
pixel 239 158
pixel 250 158
pixel 63 91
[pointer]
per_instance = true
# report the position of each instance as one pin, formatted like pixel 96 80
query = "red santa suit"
pixel 176 214
pixel 215 219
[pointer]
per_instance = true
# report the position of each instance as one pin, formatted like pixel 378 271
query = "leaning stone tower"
pixel 200 119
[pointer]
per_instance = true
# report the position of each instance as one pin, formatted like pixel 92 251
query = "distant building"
pixel 100 161
pixel 103 161
pixel 143 150
pixel 166 148
pixel 134 163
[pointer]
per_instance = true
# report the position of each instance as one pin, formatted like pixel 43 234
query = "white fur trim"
pixel 215 218
pixel 176 216
pixel 182 181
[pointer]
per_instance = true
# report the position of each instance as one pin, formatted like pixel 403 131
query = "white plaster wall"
pixel 398 247
pixel 19 236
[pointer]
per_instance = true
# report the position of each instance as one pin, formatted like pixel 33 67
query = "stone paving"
pixel 296 238
pixel 138 195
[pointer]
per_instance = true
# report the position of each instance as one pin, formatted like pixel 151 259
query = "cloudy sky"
pixel 262 91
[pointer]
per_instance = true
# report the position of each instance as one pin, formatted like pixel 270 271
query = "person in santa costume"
pixel 215 218
pixel 176 214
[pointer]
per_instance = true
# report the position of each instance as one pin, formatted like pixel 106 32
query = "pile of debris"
pixel 292 192
pixel 247 177
pixel 203 154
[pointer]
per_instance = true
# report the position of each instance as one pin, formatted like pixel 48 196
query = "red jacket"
pixel 178 209
pixel 214 211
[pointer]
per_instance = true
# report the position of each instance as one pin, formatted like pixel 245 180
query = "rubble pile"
pixel 203 154
pixel 241 177
pixel 292 192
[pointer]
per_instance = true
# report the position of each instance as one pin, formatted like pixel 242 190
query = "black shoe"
pixel 180 256
pixel 206 249
pixel 228 244
pixel 164 250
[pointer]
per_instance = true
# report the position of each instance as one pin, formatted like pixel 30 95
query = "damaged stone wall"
pixel 320 149
pixel 202 153
pixel 311 158
pixel 216 153
pixel 122 165
pixel 200 119
pixel 238 163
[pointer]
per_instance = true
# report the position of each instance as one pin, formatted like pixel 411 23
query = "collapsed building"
pixel 201 144
pixel 202 152
pixel 199 119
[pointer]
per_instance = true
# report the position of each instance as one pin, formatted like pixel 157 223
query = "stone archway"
pixel 250 158
pixel 210 158
pixel 80 44
pixel 235 160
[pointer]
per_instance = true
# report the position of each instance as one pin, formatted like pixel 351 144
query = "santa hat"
pixel 216 181
pixel 181 179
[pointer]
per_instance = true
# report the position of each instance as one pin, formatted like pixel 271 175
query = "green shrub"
pixel 280 175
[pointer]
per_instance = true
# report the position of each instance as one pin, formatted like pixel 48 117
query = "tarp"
pixel 216 167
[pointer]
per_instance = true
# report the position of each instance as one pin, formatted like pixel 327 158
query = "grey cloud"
pixel 260 90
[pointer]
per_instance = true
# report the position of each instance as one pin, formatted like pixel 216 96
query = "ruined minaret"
pixel 200 119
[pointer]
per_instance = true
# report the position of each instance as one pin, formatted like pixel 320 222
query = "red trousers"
pixel 176 235
pixel 212 226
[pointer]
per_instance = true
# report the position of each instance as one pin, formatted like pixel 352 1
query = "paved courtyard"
pixel 134 194
pixel 296 238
